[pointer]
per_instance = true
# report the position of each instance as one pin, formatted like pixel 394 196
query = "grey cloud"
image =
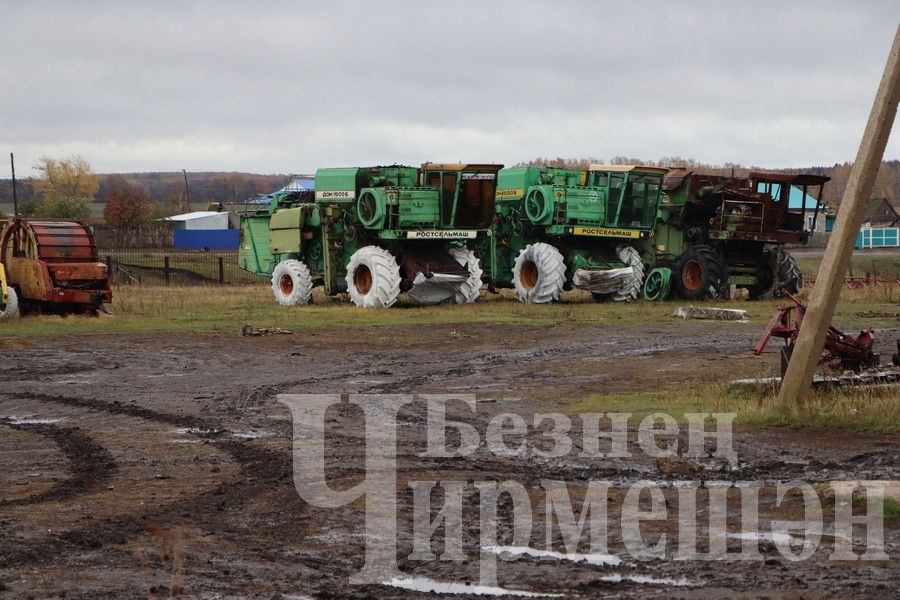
pixel 293 86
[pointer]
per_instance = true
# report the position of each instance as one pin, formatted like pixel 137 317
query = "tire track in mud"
pixel 90 463
pixel 479 361
pixel 260 470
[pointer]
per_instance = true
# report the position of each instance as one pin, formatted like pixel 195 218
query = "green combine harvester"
pixel 373 233
pixel 558 229
pixel 716 231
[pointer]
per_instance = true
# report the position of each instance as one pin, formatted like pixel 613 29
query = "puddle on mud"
pixel 197 431
pixel 763 536
pixel 618 578
pixel 14 420
pixel 594 558
pixel 250 435
pixel 423 584
pixel 774 537
pixel 208 433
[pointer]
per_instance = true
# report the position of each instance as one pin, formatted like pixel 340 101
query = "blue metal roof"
pixel 298 184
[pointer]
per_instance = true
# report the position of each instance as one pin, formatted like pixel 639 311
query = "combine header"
pixel 375 232
pixel 52 265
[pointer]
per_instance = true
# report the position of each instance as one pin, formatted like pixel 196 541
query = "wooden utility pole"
pixel 12 165
pixel 187 191
pixel 804 359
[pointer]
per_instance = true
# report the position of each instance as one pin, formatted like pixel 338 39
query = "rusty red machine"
pixel 841 351
pixel 53 265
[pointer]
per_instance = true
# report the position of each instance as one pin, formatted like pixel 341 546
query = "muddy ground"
pixel 160 465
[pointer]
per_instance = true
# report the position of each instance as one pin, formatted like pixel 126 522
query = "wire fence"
pixel 168 266
pixel 176 267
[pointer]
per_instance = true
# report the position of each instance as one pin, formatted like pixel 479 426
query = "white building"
pixel 202 219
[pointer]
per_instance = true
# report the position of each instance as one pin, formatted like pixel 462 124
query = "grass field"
pixel 861 265
pixel 227 308
pixel 849 408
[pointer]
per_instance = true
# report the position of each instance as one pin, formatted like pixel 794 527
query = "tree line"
pixel 66 188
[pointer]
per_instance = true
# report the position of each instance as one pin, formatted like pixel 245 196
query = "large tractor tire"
pixel 291 283
pixel 701 273
pixel 631 289
pixel 373 278
pixel 539 274
pixel 10 309
pixel 470 290
pixel 780 272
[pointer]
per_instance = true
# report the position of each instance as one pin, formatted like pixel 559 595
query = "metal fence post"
pixel 221 270
pixel 166 268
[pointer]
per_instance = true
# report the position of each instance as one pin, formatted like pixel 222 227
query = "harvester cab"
pixel 783 222
pixel 562 228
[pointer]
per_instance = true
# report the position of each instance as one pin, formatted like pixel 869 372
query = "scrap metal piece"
pixel 718 314
pixel 605 281
pixel 437 288
pixel 249 330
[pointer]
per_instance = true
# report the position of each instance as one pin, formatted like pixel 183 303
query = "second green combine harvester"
pixel 558 229
pixel 375 232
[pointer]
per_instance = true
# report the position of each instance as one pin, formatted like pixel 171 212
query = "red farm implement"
pixel 841 351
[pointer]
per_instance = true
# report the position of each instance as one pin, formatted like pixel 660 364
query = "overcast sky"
pixel 289 87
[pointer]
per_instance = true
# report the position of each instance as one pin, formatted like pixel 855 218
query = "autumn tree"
pixel 66 187
pixel 127 206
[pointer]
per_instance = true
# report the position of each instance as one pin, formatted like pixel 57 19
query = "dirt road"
pixel 136 466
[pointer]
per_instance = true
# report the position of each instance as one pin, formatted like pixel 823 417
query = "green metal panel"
pixel 285 228
pixel 254 254
pixel 585 205
pixel 397 176
pixel 418 207
pixel 512 183
pixel 338 184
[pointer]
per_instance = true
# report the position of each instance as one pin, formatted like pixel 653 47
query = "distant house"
pixel 204 230
pixel 886 214
pixel 203 219
pixel 882 229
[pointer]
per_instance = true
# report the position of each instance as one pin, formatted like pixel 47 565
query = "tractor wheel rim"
pixel 286 283
pixel 654 284
pixel 528 275
pixel 692 275
pixel 362 279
